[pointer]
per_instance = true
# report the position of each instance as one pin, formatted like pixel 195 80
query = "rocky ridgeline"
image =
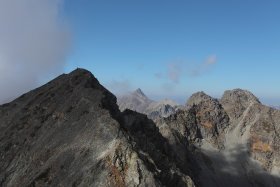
pixel 70 132
pixel 257 125
pixel 235 139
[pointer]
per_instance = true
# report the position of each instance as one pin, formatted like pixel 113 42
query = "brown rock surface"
pixel 234 141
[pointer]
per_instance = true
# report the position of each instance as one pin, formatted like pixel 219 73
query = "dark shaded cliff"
pixel 70 132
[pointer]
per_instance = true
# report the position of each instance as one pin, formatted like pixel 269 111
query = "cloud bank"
pixel 34 42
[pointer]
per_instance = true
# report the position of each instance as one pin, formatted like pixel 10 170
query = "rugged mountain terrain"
pixel 235 139
pixel 70 132
pixel 139 102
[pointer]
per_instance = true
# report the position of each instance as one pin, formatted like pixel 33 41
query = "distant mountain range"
pixel 276 107
pixel 139 102
pixel 70 132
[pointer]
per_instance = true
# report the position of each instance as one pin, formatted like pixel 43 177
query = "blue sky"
pixel 175 48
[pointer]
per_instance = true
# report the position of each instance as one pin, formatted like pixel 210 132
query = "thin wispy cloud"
pixel 178 69
pixel 34 43
pixel 205 66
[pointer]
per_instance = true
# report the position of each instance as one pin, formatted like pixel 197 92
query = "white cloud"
pixel 177 69
pixel 34 43
pixel 205 66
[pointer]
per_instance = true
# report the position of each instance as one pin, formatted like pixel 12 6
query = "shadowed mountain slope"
pixel 70 132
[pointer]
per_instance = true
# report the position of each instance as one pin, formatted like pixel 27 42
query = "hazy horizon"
pixel 168 49
pixel 182 99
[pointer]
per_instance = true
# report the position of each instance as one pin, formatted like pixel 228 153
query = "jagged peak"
pixel 237 95
pixel 139 92
pixel 198 97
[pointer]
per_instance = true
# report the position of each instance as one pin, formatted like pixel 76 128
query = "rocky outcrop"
pixel 257 126
pixel 237 101
pixel 212 120
pixel 139 102
pixel 70 132
pixel 161 156
pixel 235 140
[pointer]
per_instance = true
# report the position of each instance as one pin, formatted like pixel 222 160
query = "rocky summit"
pixel 235 139
pixel 136 101
pixel 139 102
pixel 70 132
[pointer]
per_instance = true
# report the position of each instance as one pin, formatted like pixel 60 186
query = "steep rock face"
pixel 256 125
pixel 161 155
pixel 181 131
pixel 241 150
pixel 70 132
pixel 212 120
pixel 237 101
pixel 263 138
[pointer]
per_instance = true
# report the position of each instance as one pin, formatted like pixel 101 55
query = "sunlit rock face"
pixel 235 139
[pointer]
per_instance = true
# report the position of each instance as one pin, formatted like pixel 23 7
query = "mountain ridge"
pixel 235 138
pixel 70 132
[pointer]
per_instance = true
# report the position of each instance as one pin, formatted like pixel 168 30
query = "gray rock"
pixel 233 142
pixel 236 101
pixel 256 125
pixel 139 102
pixel 136 101
pixel 161 109
pixel 70 132
pixel 211 119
